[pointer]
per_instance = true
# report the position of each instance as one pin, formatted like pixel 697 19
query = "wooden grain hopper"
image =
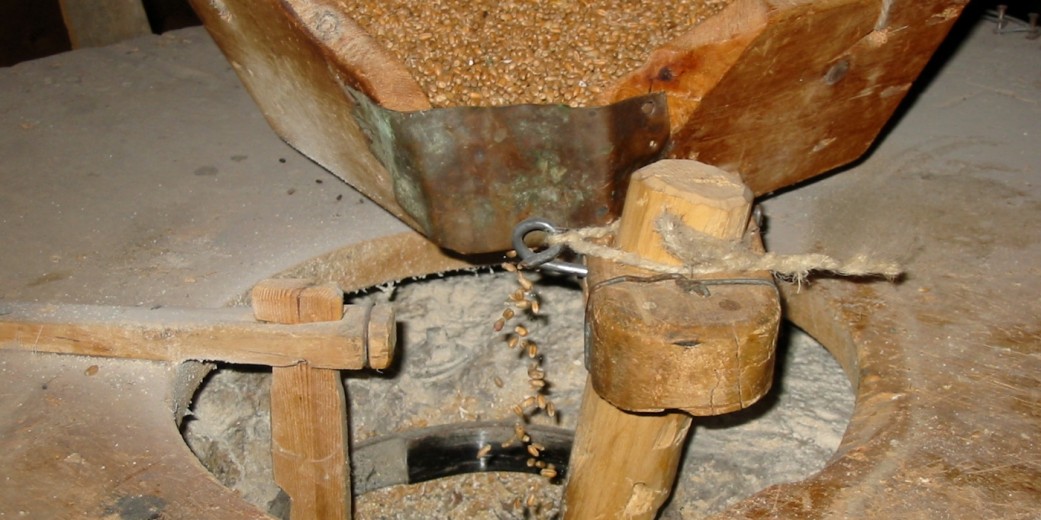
pixel 778 91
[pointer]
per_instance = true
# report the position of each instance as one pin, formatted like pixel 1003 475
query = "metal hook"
pixel 544 260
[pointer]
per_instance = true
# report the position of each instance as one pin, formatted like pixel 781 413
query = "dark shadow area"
pixel 168 15
pixel 33 29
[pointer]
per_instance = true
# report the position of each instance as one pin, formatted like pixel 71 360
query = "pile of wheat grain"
pixel 491 53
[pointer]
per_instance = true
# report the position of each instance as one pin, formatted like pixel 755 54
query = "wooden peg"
pixel 644 347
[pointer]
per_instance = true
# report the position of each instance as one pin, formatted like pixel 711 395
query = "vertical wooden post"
pixel 96 23
pixel 308 407
pixel 623 465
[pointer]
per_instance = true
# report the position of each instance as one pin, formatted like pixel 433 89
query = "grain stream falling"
pixel 522 302
pixel 489 53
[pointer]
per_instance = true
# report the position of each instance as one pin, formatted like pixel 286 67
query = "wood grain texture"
pixel 704 197
pixel 381 336
pixel 623 465
pixel 278 300
pixel 309 440
pixel 660 346
pixel 783 90
pixel 168 334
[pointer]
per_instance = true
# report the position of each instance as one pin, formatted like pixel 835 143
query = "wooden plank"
pixel 783 90
pixel 96 23
pixel 309 442
pixel 169 334
pixel 623 465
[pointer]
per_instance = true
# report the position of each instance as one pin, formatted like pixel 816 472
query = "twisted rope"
pixel 702 254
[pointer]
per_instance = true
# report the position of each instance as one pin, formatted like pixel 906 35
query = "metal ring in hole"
pixel 546 259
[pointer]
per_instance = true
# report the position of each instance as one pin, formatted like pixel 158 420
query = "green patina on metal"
pixel 376 123
pixel 468 174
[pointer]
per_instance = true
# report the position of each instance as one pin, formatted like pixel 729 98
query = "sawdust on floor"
pixel 453 368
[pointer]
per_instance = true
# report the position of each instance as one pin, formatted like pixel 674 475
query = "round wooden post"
pixel 623 465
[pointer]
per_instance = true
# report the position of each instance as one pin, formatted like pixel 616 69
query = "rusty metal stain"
pixel 469 174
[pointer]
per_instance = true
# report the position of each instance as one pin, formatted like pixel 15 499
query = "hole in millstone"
pixel 453 368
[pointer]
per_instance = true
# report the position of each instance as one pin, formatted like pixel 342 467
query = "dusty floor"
pixel 449 371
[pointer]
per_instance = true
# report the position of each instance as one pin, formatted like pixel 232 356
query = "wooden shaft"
pixel 705 198
pixel 178 334
pixel 309 439
pixel 624 465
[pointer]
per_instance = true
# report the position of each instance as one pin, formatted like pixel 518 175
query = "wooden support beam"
pixel 309 440
pixel 623 464
pixel 96 23
pixel 176 334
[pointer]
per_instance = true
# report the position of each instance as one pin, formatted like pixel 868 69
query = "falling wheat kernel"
pixel 499 324
pixel 530 462
pixel 535 373
pixel 513 341
pixel 507 314
pixel 484 451
pixel 533 349
pixel 524 282
pixel 540 400
pixel 533 451
pixel 548 473
pixel 521 330
pixel 551 409
pixel 534 304
pixel 509 267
